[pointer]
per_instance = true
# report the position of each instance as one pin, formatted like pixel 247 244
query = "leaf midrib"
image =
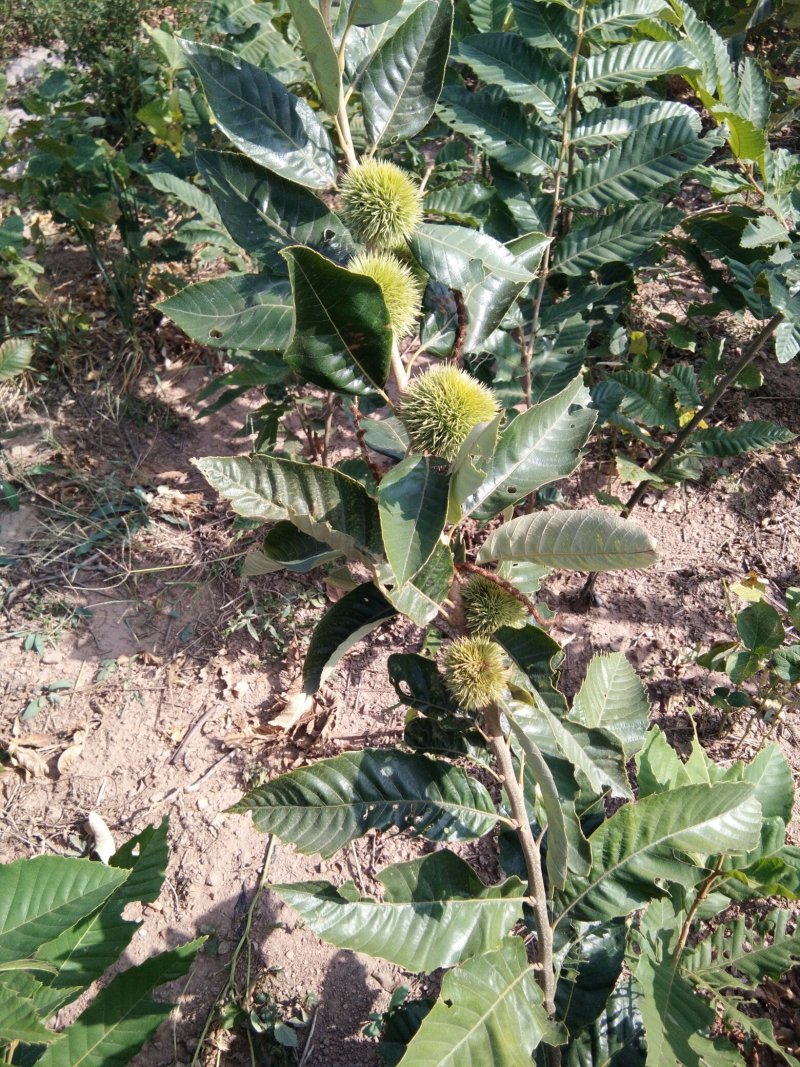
pixel 361 804
pixel 504 135
pixel 507 991
pixel 390 41
pixel 643 164
pixel 365 375
pixel 416 904
pixel 652 845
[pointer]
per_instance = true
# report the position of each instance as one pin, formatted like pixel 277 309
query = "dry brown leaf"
pixel 69 757
pixel 249 735
pixel 174 502
pixel 37 740
pixel 149 659
pixel 28 760
pixel 298 704
pixel 104 847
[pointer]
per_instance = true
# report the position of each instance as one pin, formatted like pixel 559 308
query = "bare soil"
pixel 124 570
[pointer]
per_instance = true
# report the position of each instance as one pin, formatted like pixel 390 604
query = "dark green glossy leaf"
pixel 386 436
pixel 42 897
pixel 421 597
pixel 123 1016
pixel 435 912
pixel 760 628
pixel 235 311
pixel 638 844
pixel 490 1011
pixel 322 808
pixel 500 127
pixel 269 124
pixel 648 398
pixel 622 14
pixel 523 72
pixel 746 437
pixel 357 614
pixel 617 238
pixel 372 12
pixel 632 64
pixel 487 274
pixel 616 1039
pixel 342 339
pixel 321 502
pixel 287 548
pixel 539 446
pixel 263 212
pixel 18 1018
pixel 645 161
pixel 419 684
pixel 590 971
pixel 674 1015
pixel 547 26
pixel 319 52
pixel 83 953
pixel 613 698
pixel 412 502
pixel 405 76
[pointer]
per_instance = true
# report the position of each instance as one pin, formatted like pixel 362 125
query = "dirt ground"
pixel 121 582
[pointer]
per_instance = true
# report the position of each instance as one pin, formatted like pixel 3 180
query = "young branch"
pixel 563 164
pixel 702 893
pixel 748 355
pixel 231 986
pixel 398 370
pixel 461 326
pixel 531 853
pixel 377 473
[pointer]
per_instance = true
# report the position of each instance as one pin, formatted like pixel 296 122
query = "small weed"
pixel 274 616
pixel 107 668
pixel 50 617
pixel 49 694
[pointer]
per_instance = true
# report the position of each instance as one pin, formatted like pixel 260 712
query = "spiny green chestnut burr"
pixel 487 607
pixel 474 672
pixel 402 292
pixel 441 407
pixel 382 203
